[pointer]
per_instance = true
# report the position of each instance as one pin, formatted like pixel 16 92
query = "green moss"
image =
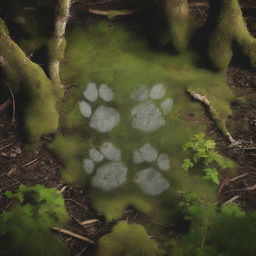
pixel 230 27
pixel 71 146
pixel 100 54
pixel 56 52
pixel 3 27
pixel 128 240
pixel 25 228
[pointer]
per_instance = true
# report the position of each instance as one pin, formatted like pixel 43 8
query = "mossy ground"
pixel 119 58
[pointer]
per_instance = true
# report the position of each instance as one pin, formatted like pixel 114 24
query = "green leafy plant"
pixel 231 232
pixel 203 152
pixel 25 228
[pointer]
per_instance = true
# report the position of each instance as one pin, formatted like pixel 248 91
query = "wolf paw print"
pixel 150 180
pixel 110 170
pixel 104 118
pixel 148 116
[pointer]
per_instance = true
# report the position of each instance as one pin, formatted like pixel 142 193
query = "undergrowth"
pixel 203 156
pixel 25 227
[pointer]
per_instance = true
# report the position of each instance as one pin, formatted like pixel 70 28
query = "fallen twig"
pixel 112 13
pixel 213 113
pixel 231 200
pixel 239 176
pixel 69 233
pixel 88 222
pixel 31 162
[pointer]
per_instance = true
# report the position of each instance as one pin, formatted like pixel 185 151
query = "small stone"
pixel 158 91
pixel 91 92
pixel 141 93
pixel 95 155
pixel 147 117
pixel 151 182
pixel 110 151
pixel 88 165
pixel 104 119
pixel 106 93
pixel 85 109
pixel 110 176
pixel 163 162
pixel 166 105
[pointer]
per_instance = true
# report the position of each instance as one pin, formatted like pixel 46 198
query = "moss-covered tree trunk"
pixel 40 93
pixel 179 22
pixel 230 28
pixel 40 115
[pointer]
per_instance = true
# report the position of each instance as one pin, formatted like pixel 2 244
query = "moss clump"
pixel 69 149
pixel 180 24
pixel 230 27
pixel 25 228
pixel 128 240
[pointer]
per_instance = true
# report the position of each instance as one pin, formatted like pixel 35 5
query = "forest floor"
pixel 18 166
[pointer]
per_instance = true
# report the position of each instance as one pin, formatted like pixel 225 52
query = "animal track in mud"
pixel 147 116
pixel 104 118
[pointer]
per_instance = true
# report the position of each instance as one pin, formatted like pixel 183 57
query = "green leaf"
pixel 187 164
pixel 8 194
pixel 211 174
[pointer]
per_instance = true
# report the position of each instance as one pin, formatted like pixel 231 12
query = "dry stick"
pixel 214 115
pixel 114 12
pixel 69 233
pixel 87 222
pixel 31 162
pixel 238 177
pixel 231 200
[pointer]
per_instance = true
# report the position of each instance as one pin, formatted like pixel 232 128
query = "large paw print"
pixel 150 180
pixel 147 116
pixel 104 118
pixel 111 171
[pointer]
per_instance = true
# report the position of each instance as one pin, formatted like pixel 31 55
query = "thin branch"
pixel 113 13
pixel 214 115
pixel 69 233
